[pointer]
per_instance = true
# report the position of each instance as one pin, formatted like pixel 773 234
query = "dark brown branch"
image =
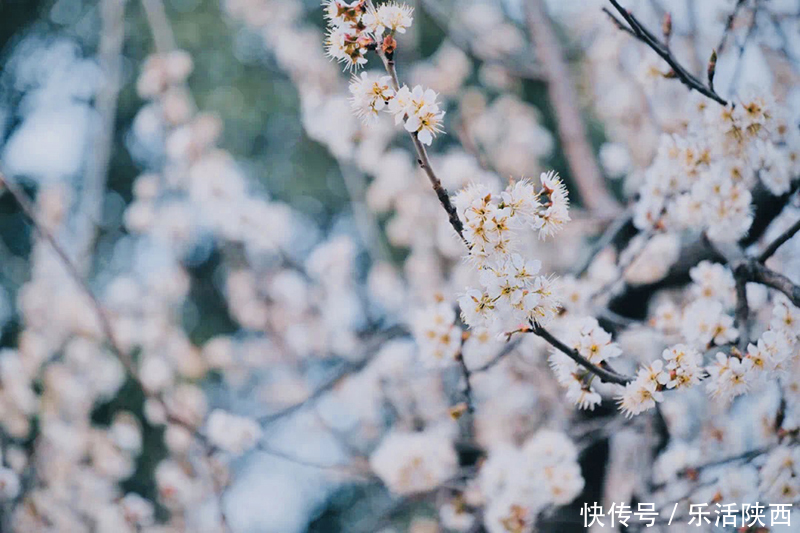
pixel 772 247
pixel 779 282
pixel 618 23
pixel 742 313
pixel 605 375
pixel 644 35
pixel 564 101
pixel 466 374
pixel 423 161
pixel 767 208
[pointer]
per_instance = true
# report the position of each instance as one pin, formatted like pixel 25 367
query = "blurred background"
pixel 81 131
pixel 54 127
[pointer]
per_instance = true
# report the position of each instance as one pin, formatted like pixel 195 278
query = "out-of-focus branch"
pixel 463 41
pixel 772 247
pixel 105 323
pixel 636 29
pixel 159 25
pixel 366 221
pixel 729 26
pixel 509 347
pixel 742 313
pixel 90 206
pixel 564 100
pixel 347 369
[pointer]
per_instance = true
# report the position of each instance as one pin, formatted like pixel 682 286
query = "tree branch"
pixel 620 225
pixel 105 324
pixel 644 35
pixel 609 376
pixel 422 157
pixel 772 247
pixel 163 35
pixel 564 100
pixel 779 282
pixel 742 313
pixel 466 373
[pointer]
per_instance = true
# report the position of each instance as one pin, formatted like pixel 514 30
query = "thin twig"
pixel 742 313
pixel 464 41
pixel 423 160
pixel 647 37
pixel 624 266
pixel 346 370
pixel 772 247
pixel 602 373
pixel 612 232
pixel 105 324
pixel 507 349
pixel 366 222
pixel 729 26
pixel 327 386
pixel 564 100
pixel 338 467
pixel 744 456
pixel 466 374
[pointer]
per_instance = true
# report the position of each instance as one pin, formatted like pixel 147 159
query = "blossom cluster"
pixel 354 27
pixel 771 356
pixel 517 483
pixel 681 367
pixel 779 477
pixel 586 337
pixel 703 176
pixel 512 294
pixel 416 108
pixel 410 463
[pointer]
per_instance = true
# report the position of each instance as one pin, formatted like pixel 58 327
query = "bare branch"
pixel 347 369
pixel 463 41
pixel 466 374
pixel 618 23
pixel 647 37
pixel 729 26
pixel 772 247
pixel 779 282
pixel 564 99
pixel 507 349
